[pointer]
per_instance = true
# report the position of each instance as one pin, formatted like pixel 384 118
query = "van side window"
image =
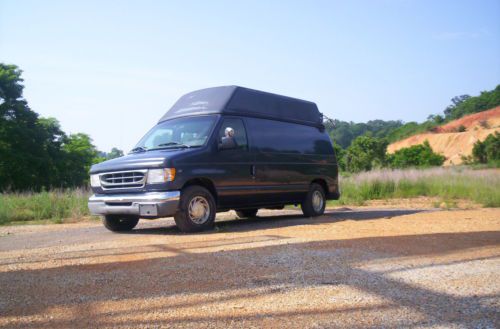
pixel 271 136
pixel 232 135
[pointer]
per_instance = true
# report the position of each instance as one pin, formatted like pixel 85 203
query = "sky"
pixel 111 69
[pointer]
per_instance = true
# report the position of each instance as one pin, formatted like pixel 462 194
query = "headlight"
pixel 156 176
pixel 95 181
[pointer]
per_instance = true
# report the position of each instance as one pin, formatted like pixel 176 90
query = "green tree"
pixel 53 139
pixel 479 152
pixel 493 147
pixel 34 152
pixel 114 153
pixel 80 154
pixel 436 118
pixel 340 155
pixel 343 133
pixel 22 155
pixel 465 104
pixel 456 102
pixel 365 153
pixel 487 150
pixel 415 156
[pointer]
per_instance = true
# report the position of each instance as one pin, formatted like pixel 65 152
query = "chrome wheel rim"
pixel 317 201
pixel 199 210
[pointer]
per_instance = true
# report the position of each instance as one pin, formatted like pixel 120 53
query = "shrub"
pixel 492 147
pixel 416 156
pixel 487 150
pixel 484 124
pixel 365 153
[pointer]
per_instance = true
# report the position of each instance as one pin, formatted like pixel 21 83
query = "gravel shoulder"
pixel 351 268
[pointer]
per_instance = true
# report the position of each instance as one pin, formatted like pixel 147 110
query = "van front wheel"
pixel 315 201
pixel 196 210
pixel 120 223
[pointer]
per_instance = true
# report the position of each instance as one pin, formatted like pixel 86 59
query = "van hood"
pixel 142 160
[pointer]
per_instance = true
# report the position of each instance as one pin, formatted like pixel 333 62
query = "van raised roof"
pixel 248 102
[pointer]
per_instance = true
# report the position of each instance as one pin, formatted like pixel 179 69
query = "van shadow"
pixel 287 220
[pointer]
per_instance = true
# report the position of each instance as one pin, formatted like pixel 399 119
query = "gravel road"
pixel 349 268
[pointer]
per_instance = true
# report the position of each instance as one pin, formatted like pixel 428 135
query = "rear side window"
pixel 283 137
pixel 240 135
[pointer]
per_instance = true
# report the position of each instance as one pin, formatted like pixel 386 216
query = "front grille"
pixel 123 179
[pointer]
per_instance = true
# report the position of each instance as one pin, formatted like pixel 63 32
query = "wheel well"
pixel 323 184
pixel 205 182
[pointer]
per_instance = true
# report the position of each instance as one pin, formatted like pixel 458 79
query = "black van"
pixel 218 149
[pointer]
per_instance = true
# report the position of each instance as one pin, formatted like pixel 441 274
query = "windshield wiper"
pixel 138 149
pixel 172 144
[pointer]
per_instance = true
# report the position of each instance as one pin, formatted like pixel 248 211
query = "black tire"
pixel 189 223
pixel 247 213
pixel 309 207
pixel 120 223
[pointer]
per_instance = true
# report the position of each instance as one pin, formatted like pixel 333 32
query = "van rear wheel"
pixel 196 210
pixel 120 223
pixel 315 201
pixel 247 213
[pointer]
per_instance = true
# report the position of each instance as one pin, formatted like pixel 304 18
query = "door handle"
pixel 252 170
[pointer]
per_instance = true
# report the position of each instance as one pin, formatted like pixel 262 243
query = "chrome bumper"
pixel 151 204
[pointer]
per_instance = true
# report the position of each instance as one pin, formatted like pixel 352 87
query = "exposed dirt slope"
pixel 490 118
pixel 453 144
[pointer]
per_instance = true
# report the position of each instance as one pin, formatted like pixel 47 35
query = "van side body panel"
pixel 290 156
pixel 281 175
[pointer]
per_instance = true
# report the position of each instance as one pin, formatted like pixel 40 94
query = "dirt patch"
pixel 422 203
pixel 352 268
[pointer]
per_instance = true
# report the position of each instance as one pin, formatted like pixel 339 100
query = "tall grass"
pixel 481 186
pixel 54 206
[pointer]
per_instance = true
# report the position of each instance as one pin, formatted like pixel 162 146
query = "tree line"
pixel 35 153
pixel 343 133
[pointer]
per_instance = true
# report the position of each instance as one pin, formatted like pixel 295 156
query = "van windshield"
pixel 177 133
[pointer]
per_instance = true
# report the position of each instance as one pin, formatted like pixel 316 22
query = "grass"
pixel 479 185
pixel 54 206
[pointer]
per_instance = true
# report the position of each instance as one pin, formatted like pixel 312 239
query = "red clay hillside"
pixel 456 138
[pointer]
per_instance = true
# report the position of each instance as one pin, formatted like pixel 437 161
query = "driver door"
pixel 235 184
